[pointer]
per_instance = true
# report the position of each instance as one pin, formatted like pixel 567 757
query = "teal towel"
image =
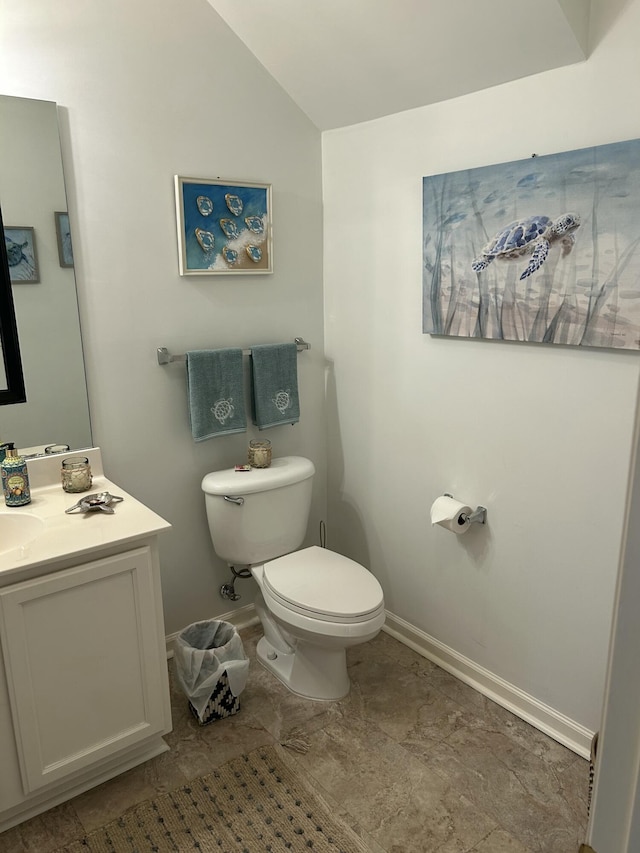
pixel 216 392
pixel 274 385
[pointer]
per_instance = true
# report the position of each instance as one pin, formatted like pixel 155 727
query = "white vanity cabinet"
pixel 83 674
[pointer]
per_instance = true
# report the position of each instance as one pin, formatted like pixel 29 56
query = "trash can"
pixel 211 668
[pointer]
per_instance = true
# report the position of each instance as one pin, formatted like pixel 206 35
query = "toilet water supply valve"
pixel 228 590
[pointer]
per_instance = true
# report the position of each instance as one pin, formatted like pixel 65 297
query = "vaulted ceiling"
pixel 348 61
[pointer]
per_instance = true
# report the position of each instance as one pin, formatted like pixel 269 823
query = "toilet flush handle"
pixel 232 500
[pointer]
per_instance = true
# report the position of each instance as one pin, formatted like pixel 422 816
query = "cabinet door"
pixel 83 664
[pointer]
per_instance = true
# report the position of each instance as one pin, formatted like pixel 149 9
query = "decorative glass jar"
pixel 56 448
pixel 76 474
pixel 259 453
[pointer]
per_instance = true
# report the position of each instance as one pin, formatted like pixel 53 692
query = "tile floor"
pixel 413 759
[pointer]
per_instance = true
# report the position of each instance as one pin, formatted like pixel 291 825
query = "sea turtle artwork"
pixel 533 236
pixel 15 253
pixel 223 409
pixel 282 401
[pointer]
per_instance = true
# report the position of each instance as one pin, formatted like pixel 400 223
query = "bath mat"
pixel 252 804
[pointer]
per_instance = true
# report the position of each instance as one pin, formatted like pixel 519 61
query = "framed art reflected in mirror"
pixel 20 243
pixel 12 389
pixel 63 236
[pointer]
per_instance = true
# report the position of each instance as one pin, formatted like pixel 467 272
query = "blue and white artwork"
pixel 20 242
pixel 223 226
pixel 63 234
pixel 545 250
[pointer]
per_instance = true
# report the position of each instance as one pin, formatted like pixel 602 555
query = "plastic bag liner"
pixel 203 652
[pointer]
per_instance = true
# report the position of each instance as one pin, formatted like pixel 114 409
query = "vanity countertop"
pixel 68 536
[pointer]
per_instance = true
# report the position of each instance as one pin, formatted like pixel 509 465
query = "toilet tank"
pixel 272 518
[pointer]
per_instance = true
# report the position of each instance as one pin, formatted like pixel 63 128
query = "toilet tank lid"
pixel 284 471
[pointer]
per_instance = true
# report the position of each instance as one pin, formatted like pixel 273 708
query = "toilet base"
pixel 310 671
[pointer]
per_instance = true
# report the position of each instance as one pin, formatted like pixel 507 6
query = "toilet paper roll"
pixel 450 514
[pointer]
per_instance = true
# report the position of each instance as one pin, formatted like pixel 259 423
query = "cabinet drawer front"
pixel 83 664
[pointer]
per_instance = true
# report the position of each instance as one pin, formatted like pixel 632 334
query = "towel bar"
pixel 165 357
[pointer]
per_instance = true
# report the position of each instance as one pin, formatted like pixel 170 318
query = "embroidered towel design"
pixel 274 385
pixel 216 392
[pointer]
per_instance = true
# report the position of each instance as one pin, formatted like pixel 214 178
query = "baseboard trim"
pixel 242 617
pixel 561 728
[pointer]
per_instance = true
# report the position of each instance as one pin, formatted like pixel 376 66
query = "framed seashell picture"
pixel 224 227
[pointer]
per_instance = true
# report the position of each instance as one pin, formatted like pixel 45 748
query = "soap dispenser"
pixel 15 478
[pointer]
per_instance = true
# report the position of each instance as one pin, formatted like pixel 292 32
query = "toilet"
pixel 313 603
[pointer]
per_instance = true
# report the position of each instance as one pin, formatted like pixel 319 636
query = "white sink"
pixel 18 530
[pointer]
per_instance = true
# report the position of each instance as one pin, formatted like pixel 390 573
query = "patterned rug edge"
pixel 255 803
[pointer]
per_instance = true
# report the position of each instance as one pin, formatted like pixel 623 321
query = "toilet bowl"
pixel 313 603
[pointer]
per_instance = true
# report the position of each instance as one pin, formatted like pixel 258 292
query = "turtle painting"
pixel 15 252
pixel 533 236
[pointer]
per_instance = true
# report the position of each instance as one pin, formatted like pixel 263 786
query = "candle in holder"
pixel 76 474
pixel 259 455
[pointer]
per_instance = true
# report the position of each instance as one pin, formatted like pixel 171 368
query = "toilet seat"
pixel 322 585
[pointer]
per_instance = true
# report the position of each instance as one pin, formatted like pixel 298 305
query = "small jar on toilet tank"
pixel 259 455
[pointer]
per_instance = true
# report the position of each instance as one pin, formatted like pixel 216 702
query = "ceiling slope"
pixel 348 61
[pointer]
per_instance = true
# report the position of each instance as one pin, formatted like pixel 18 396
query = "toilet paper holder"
pixel 478 516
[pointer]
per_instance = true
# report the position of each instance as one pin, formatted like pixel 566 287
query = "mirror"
pixel 42 287
pixel 11 378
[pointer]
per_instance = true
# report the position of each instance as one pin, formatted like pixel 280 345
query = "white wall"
pixel 151 89
pixel 541 435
